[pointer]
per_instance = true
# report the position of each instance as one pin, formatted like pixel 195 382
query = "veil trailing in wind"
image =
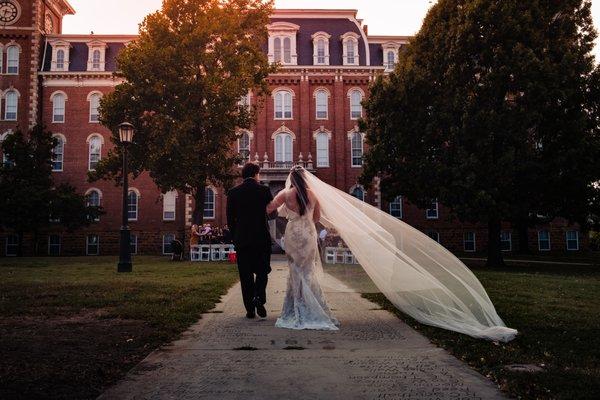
pixel 418 275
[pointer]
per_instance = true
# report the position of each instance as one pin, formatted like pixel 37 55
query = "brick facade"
pixel 39 80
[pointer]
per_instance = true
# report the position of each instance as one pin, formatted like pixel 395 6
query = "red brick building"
pixel 328 61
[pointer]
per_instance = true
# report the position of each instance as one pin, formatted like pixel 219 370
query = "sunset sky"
pixel 384 17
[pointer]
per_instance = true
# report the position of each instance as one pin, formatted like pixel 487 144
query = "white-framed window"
pixel 166 243
pixel 12 245
pixel 11 100
pixel 60 59
pixel 92 245
pixel 321 48
pixel 95 152
pixel 58 107
pixel 58 153
pixel 96 56
pixel 434 235
pixel 390 60
pixel 245 101
pixel 96 59
pixel 350 48
pixel 169 205
pixel 543 240
pixel 244 147
pixel 396 207
pixel 54 245
pixel 321 104
pixel 469 244
pixel 572 238
pixel 356 109
pixel 433 211
pixel 133 243
pixel 133 205
pixel 283 104
pixel 282 43
pixel 359 192
pixel 322 139
pixel 357 149
pixel 12 60
pixel 506 241
pixel 284 148
pixel 93 198
pixel 209 203
pixel 94 99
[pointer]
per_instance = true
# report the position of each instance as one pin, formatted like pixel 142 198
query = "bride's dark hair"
pixel 299 183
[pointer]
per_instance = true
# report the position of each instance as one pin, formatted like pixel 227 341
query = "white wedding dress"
pixel 304 306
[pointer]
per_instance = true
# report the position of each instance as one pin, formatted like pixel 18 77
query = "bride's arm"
pixel 276 202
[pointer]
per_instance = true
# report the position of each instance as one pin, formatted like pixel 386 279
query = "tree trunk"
pixel 494 256
pixel 523 233
pixel 199 197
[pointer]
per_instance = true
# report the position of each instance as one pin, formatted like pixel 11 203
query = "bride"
pixel 419 276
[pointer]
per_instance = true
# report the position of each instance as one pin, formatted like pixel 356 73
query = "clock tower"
pixel 23 26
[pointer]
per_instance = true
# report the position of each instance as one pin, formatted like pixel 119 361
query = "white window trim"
pixel 540 242
pixel 59 243
pixel 10 45
pixel 87 193
pixel 283 30
pixel 465 242
pixel 350 136
pixel 52 100
pixel 101 47
pixel 353 188
pixel 56 46
pixel 316 134
pixel 89 142
pixel 250 140
pixel 164 243
pixel 174 211
pixel 87 245
pixel 137 204
pixel 315 39
pixel 135 243
pixel 387 47
pixel 346 38
pixel 401 207
pixel 362 98
pixel 292 97
pixel 567 240
pixel 437 234
pixel 6 92
pixel 509 240
pixel 437 210
pixel 64 142
pixel 327 97
pixel 89 99
pixel 6 246
pixel 214 204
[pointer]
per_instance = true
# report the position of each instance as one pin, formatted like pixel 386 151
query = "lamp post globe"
pixel 126 132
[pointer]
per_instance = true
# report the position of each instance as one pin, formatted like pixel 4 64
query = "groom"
pixel 247 220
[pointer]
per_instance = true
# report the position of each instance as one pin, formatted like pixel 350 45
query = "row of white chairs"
pixel 211 252
pixel 339 255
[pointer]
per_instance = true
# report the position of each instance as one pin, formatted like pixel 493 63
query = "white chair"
pixel 330 255
pixel 226 250
pixel 348 257
pixel 195 253
pixel 204 252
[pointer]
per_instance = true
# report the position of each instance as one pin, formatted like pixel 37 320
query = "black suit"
pixel 248 224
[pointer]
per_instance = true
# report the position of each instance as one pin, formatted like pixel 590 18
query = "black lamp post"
pixel 126 136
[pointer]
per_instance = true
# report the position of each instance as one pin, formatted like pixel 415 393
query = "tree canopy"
pixel 183 80
pixel 492 109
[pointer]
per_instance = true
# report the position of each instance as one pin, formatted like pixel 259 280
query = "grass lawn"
pixel 71 326
pixel 557 312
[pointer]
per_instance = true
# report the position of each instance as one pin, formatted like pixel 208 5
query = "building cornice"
pixel 88 38
pixel 61 7
pixel 313 13
pixel 380 39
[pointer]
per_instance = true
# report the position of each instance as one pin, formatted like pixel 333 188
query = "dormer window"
pixel 60 56
pixel 321 48
pixel 350 47
pixel 282 43
pixel 97 56
pixel 390 55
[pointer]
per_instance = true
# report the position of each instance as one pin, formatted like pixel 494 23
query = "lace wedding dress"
pixel 304 306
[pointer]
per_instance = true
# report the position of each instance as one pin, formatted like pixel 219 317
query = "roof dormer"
pixel 321 48
pixel 97 55
pixel 390 54
pixel 60 55
pixel 282 43
pixel 350 48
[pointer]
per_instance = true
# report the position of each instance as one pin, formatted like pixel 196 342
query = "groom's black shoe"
pixel 250 315
pixel 261 311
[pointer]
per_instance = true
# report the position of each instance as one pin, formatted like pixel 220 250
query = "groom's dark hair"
pixel 250 170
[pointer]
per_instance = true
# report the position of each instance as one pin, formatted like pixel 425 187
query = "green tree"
pixel 183 79
pixel 492 109
pixel 30 202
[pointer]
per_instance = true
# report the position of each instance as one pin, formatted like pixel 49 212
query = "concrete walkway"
pixel 373 356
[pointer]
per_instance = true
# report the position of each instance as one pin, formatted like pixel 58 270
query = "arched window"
pixel 390 59
pixel 244 146
pixel 321 104
pixel 357 149
pixel 320 51
pixel 132 205
pixel 12 55
pixel 95 152
pixel 350 52
pixel 94 99
pixel 93 200
pixel 287 50
pixel 322 149
pixel 58 153
pixel 396 207
pixel 11 105
pixel 58 108
pixel 283 148
pixel 60 59
pixel 358 192
pixel 169 205
pixel 283 104
pixel 350 48
pixel 209 203
pixel 356 98
pixel 277 49
pixel 96 59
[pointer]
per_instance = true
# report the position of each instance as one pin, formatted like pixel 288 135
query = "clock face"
pixel 49 24
pixel 9 12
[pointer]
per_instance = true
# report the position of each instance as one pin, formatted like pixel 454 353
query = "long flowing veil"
pixel 418 275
